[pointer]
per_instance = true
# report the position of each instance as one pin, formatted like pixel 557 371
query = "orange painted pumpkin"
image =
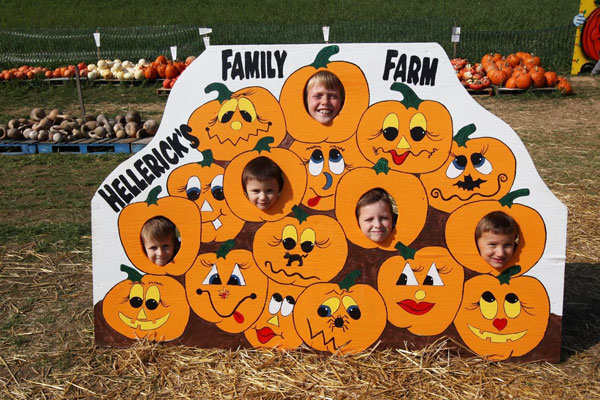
pixel 413 135
pixel 235 121
pixel 275 326
pixel 299 122
pixel 300 250
pixel 147 306
pixel 202 183
pixel 293 171
pixel 460 233
pixel 340 318
pixel 422 290
pixel 182 212
pixel 502 317
pixel 326 163
pixel 227 288
pixel 406 190
pixel 477 169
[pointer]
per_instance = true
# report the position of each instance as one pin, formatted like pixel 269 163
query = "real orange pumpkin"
pixel 460 233
pixel 147 306
pixel 299 122
pixel 413 135
pixel 301 250
pixel 227 288
pixel 406 190
pixel 477 169
pixel 235 121
pixel 292 193
pixel 422 289
pixel 202 183
pixel 343 318
pixel 499 320
pixel 182 212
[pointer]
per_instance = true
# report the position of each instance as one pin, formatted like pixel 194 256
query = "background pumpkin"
pixel 235 121
pixel 498 321
pixel 299 122
pixel 147 306
pixel 460 233
pixel 182 212
pixel 340 318
pixel 480 168
pixel 413 135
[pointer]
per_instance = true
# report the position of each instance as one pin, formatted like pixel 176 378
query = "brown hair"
pixel 262 168
pixel 498 223
pixel 329 81
pixel 373 196
pixel 159 228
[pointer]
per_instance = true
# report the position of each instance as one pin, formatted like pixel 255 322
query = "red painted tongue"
pixel 239 318
pixel 314 201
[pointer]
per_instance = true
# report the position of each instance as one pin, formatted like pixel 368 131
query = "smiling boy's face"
pixel 323 104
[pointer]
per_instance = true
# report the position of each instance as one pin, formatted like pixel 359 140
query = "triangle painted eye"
pixel 213 277
pixel 407 277
pixel 236 277
pixel 433 277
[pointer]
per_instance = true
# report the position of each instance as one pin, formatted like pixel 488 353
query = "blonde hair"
pixel 499 223
pixel 328 80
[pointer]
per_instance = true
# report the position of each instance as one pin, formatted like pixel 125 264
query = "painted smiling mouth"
pixel 144 325
pixel 237 316
pixel 496 337
pixel 398 159
pixel 416 308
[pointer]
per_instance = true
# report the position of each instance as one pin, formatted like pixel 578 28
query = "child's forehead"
pixel 379 205
pixel 322 87
pixel 490 234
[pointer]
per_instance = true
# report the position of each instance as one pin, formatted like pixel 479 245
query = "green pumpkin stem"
pixel 263 144
pixel 349 280
pixel 462 136
pixel 508 199
pixel 224 92
pixel 508 273
pixel 132 274
pixel 225 248
pixel 410 97
pixel 406 252
pixel 153 196
pixel 322 58
pixel 300 214
pixel 381 166
pixel 207 158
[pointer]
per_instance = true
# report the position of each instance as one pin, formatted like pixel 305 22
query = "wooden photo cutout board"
pixel 302 272
pixel 586 50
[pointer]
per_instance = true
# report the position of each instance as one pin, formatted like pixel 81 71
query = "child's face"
pixel 375 221
pixel 159 251
pixel 323 104
pixel 262 194
pixel 496 248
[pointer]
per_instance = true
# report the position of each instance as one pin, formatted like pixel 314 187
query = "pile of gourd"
pixel 58 127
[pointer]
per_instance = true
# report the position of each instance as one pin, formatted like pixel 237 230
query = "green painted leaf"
pixel 153 196
pixel 207 158
pixel 381 166
pixel 349 280
pixel 508 199
pixel 132 274
pixel 406 252
pixel 225 248
pixel 508 273
pixel 264 144
pixel 462 136
pixel 300 214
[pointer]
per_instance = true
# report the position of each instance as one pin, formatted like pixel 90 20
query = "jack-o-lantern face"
pixel 182 212
pixel 301 250
pixel 477 169
pixel 422 291
pixel 340 318
pixel 203 184
pixel 413 135
pixel 326 163
pixel 234 122
pixel 147 306
pixel 228 291
pixel 498 321
pixel 275 326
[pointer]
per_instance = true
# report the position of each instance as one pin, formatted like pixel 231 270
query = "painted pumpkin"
pixel 326 164
pixel 413 135
pixel 406 190
pixel 500 320
pixel 235 121
pixel 227 288
pixel 477 169
pixel 340 318
pixel 275 326
pixel 422 290
pixel 460 233
pixel 202 183
pixel 300 250
pixel 182 212
pixel 293 171
pixel 299 122
pixel 147 306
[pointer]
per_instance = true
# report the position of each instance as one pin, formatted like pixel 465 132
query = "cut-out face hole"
pixel 160 240
pixel 324 97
